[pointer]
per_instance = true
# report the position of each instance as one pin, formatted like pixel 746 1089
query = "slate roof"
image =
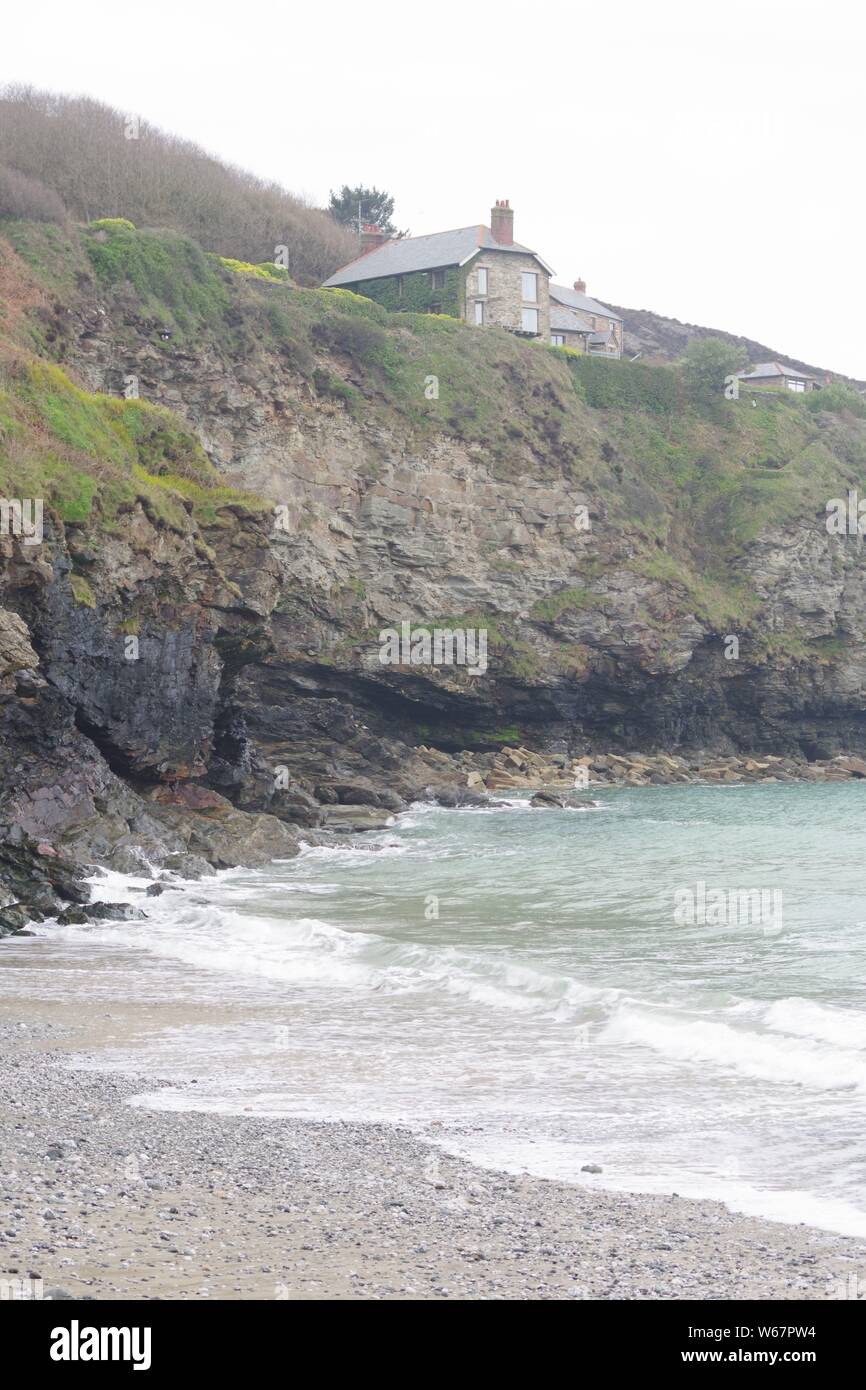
pixel 431 252
pixel 762 370
pixel 564 320
pixel 573 299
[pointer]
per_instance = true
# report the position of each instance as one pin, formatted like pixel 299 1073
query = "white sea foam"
pixel 549 992
pixel 769 1057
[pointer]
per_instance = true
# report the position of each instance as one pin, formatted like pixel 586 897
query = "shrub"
pixel 77 149
pixel 608 384
pixel 708 361
pixel 364 342
pixel 837 398
pixel 28 199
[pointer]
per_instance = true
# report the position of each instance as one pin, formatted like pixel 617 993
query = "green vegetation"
pixel 81 591
pixel 416 293
pixel 708 361
pixel 837 398
pixel 92 456
pixel 679 480
pixel 629 386
pixel 376 208
pixel 565 600
pixel 71 158
pixel 266 271
pixel 175 283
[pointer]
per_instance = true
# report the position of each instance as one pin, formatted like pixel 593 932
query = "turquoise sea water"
pixel 519 985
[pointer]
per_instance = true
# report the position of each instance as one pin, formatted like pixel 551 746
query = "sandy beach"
pixel 104 1199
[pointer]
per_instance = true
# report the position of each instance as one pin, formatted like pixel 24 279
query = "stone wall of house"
pixel 504 302
pixel 575 341
pixel 601 323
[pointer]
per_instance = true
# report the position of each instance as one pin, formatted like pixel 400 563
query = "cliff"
pixel 189 660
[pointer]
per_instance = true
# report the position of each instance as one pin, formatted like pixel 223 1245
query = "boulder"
pixel 357 818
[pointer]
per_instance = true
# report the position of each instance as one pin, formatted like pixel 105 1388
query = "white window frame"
pixel 529 313
pixel 795 384
pixel 524 275
pixel 479 313
pixel 482 279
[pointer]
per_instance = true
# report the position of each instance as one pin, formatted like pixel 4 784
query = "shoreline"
pixel 109 1200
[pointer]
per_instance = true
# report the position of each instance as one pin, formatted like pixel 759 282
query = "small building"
pixel 774 376
pixel 478 273
pixel 582 323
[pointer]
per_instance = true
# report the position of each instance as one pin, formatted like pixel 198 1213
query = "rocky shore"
pixel 103 1200
pixel 187 830
pixel 521 769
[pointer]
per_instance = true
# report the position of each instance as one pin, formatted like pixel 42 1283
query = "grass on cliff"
pixel 90 456
pixel 678 484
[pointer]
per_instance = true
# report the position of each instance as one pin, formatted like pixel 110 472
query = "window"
pixel 482 279
pixel 399 286
pixel 794 385
pixel 530 320
pixel 479 311
pixel 438 279
pixel 557 339
pixel 529 286
pixel 592 321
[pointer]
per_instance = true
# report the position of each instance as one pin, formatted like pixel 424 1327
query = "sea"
pixel 668 986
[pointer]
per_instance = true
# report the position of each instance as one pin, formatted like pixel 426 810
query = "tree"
pixel 377 208
pixel 59 152
pixel 709 360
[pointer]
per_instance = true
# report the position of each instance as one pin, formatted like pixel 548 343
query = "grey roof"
pixel 566 321
pixel 769 369
pixel 431 252
pixel 575 300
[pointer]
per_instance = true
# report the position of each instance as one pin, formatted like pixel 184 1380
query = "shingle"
pixel 433 252
pixel 573 299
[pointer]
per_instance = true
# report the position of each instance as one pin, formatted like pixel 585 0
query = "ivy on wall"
pixel 415 294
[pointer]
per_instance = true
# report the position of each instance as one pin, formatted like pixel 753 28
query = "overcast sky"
pixel 705 161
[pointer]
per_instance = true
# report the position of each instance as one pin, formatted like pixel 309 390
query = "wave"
pixel 762 1056
pixel 845 1028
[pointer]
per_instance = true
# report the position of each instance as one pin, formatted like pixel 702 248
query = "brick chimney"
pixel 372 237
pixel 502 222
pixel 580 286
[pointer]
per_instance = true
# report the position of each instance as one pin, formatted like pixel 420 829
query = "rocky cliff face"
pixel 203 677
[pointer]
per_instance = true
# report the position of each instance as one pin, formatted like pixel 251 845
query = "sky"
pixel 703 161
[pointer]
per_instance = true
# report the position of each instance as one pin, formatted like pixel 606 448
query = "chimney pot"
pixel 372 237
pixel 580 286
pixel 502 222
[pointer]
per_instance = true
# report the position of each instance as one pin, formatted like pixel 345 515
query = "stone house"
pixel 774 376
pixel 581 323
pixel 479 274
